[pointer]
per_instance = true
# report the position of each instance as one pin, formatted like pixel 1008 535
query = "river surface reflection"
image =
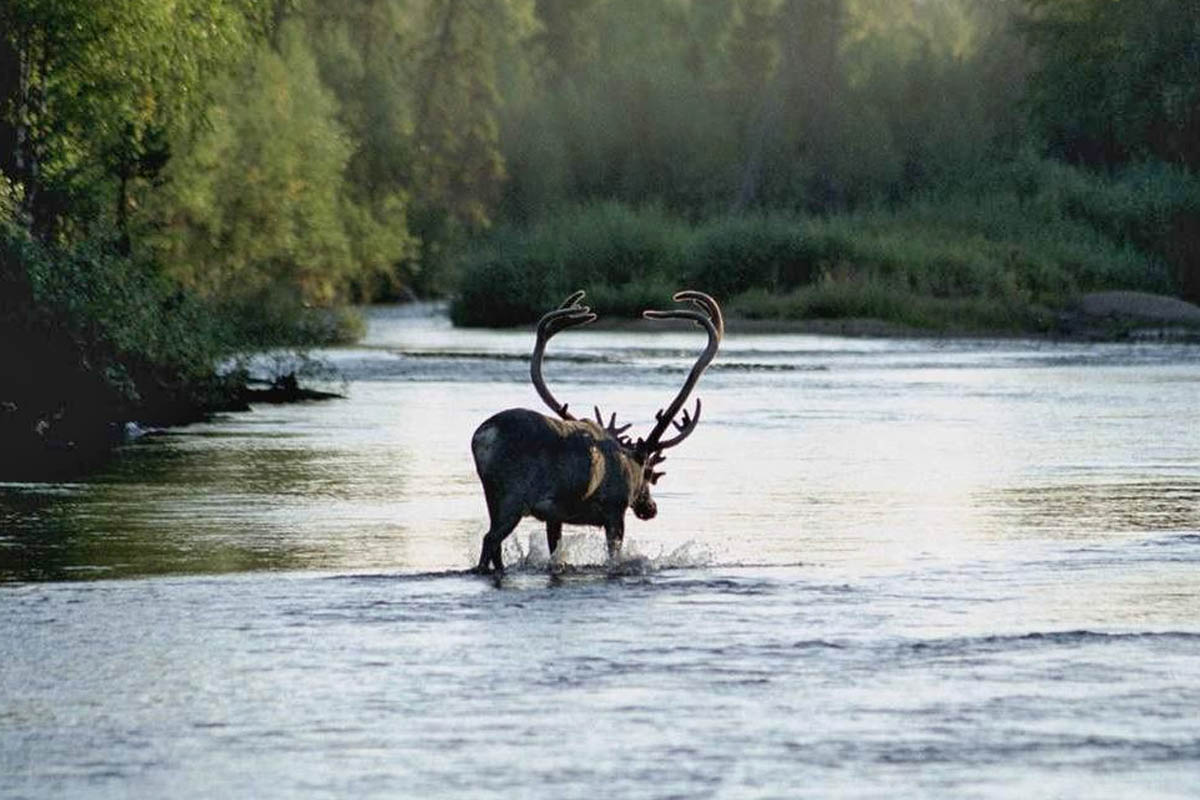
pixel 920 568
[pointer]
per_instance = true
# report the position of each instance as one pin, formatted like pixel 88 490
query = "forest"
pixel 186 181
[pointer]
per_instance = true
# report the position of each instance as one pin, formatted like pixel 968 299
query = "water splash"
pixel 587 552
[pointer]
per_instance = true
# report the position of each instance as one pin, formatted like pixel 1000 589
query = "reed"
pixel 1021 240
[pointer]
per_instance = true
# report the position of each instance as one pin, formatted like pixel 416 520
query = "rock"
pixel 1140 306
pixel 286 389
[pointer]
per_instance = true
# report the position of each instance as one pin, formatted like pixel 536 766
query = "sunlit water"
pixel 880 568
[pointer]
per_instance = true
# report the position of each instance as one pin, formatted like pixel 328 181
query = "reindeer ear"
pixel 654 476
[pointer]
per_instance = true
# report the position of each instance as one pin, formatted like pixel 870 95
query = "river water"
pixel 880 568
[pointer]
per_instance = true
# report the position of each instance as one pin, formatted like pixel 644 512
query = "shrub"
pixel 108 324
pixel 1026 236
pixel 93 337
pixel 731 255
pixel 879 300
pixel 497 290
pixel 618 254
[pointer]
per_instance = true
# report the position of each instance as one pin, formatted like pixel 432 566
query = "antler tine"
pixel 572 300
pixel 685 427
pixel 613 429
pixel 653 461
pixel 706 304
pixel 709 311
pixel 568 315
pixel 708 316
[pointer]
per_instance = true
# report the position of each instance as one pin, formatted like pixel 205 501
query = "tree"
pixel 458 167
pixel 1117 81
pixel 256 202
pixel 753 59
pixel 360 51
pixel 90 89
pixel 567 41
pixel 802 125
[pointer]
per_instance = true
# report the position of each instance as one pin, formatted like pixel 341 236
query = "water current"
pixel 881 568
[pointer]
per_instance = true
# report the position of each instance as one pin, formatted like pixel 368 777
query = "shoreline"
pixel 72 445
pixel 57 451
pixel 1114 316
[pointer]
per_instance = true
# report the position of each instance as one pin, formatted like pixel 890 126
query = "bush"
pixel 279 318
pixel 94 326
pixel 879 300
pixel 1026 236
pixel 93 338
pixel 618 254
pixel 731 255
pixel 498 290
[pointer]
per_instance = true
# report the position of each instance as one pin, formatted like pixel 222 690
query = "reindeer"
pixel 576 471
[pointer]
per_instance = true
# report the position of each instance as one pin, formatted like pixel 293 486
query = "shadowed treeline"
pixel 186 181
pixel 955 163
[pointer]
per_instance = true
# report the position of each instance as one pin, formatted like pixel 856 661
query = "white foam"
pixel 586 550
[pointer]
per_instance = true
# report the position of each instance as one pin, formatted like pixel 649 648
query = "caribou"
pixel 562 470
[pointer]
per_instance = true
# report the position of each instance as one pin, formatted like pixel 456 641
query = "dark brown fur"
pixel 556 471
pixel 579 472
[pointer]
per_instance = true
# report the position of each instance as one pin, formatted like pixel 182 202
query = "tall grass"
pixel 620 254
pixel 1026 238
pixel 735 254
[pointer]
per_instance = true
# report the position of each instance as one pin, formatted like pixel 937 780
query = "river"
pixel 881 567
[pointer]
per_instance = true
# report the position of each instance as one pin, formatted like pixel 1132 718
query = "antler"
pixel 708 317
pixel 613 429
pixel 685 426
pixel 653 461
pixel 567 315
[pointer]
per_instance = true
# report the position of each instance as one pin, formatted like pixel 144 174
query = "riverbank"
pixel 70 434
pixel 1096 317
pixel 78 437
pixel 92 339
pixel 1011 253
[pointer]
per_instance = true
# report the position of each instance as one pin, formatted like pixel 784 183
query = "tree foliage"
pixel 92 91
pixel 1118 80
pixel 253 203
pixel 332 150
pixel 801 104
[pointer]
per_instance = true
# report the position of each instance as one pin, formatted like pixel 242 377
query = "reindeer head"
pixel 645 454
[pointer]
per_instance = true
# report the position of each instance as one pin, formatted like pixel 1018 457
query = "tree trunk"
pixel 26 168
pixel 762 128
pixel 434 67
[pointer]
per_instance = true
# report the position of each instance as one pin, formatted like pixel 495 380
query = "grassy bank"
pixel 1004 252
pixel 93 338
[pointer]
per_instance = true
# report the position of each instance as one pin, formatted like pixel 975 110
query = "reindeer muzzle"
pixel 646 510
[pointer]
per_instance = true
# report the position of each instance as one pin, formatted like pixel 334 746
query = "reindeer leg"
pixel 502 525
pixel 614 533
pixel 553 536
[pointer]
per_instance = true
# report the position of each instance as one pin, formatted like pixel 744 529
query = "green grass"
pixel 1025 239
pixel 620 255
pixel 876 300
pixel 732 255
